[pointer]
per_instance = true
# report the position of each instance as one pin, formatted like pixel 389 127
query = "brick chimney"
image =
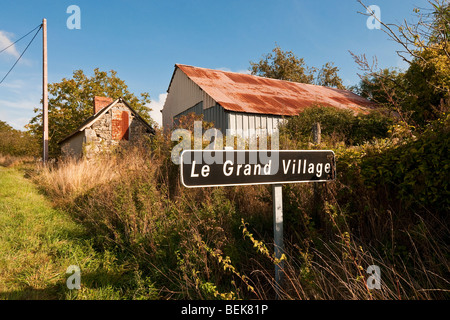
pixel 100 103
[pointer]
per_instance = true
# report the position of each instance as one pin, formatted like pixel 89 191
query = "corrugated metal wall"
pixel 249 123
pixel 215 114
pixel 245 124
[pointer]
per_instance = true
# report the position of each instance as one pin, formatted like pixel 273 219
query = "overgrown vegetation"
pixel 341 125
pixel 216 243
pixel 388 207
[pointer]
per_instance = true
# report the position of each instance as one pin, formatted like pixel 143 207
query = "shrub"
pixel 373 125
pixel 338 125
pixel 332 121
pixel 416 173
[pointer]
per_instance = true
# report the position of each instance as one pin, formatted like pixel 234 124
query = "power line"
pixel 40 26
pixel 20 39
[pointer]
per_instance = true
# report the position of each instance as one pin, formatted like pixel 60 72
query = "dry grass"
pixel 14 161
pixel 69 178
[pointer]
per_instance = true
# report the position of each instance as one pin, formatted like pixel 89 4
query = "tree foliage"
pixel 328 76
pixel 285 65
pixel 15 142
pixel 428 80
pixel 415 172
pixel 422 92
pixel 71 102
pixel 386 88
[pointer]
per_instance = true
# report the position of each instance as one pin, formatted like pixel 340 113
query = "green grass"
pixel 38 243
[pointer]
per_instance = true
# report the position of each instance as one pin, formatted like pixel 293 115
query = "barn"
pixel 242 102
pixel 112 122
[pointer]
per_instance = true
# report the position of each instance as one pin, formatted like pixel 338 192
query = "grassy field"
pixel 38 243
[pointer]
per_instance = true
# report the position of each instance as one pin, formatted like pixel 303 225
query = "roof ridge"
pixel 187 65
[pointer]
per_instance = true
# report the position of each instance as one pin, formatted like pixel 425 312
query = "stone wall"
pixel 99 134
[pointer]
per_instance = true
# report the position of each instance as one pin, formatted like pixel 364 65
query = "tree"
pixel 428 78
pixel 15 142
pixel 71 102
pixel 422 92
pixel 386 87
pixel 283 65
pixel 337 125
pixel 328 76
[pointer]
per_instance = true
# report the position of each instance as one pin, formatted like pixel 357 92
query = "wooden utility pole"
pixel 44 93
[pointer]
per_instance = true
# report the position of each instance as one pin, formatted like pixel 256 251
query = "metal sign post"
pixel 213 168
pixel 277 197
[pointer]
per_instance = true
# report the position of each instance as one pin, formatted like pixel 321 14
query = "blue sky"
pixel 142 40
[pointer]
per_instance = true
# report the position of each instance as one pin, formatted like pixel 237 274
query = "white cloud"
pixel 16 105
pixel 5 42
pixel 14 119
pixel 244 71
pixel 157 107
pixel 14 86
pixel 19 123
pixel 18 113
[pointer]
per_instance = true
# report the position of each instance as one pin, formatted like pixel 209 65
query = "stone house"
pixel 113 122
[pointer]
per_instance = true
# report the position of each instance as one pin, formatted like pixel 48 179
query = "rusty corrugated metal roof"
pixel 253 94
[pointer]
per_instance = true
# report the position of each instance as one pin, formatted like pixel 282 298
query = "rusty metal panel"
pixel 253 94
pixel 120 125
